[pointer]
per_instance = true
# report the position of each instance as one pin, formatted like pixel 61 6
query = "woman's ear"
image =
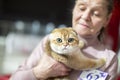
pixel 107 19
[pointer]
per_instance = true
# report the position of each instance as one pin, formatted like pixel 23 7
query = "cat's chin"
pixel 61 53
pixel 64 53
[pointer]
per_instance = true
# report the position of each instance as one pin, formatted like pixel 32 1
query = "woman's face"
pixel 89 16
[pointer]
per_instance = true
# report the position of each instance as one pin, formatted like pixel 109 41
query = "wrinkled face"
pixel 89 16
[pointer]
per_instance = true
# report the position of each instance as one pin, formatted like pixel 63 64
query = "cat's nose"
pixel 65 45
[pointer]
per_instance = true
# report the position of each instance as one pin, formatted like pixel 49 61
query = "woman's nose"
pixel 86 15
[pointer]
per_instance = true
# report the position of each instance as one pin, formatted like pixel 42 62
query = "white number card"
pixel 93 75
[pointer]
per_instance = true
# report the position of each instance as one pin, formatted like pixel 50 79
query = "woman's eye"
pixel 59 40
pixel 70 39
pixel 82 8
pixel 96 13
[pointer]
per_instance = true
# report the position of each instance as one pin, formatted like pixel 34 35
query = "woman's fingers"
pixel 60 69
pixel 51 68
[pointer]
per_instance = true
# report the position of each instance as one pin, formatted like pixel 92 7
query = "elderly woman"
pixel 90 17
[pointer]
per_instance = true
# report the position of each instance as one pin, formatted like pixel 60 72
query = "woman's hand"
pixel 48 67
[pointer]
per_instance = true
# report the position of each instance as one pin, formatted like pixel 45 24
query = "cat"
pixel 65 46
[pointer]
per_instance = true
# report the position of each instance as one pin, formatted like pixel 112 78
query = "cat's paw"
pixel 62 78
pixel 102 61
pixel 63 60
pixel 81 43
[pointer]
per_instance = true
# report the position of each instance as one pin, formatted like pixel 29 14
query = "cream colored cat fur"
pixel 64 46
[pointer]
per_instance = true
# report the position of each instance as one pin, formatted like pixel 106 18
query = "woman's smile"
pixel 83 25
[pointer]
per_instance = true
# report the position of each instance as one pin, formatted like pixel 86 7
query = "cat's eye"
pixel 70 39
pixel 59 40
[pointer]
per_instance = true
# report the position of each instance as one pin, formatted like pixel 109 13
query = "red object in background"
pixel 118 78
pixel 113 26
pixel 5 77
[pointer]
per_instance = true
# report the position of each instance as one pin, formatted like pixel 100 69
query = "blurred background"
pixel 23 23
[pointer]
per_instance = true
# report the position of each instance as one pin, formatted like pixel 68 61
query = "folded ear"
pixel 70 28
pixel 81 43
